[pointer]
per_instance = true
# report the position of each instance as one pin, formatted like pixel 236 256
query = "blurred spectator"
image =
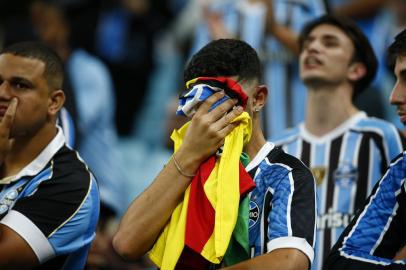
pixel 15 22
pixel 92 87
pixel 93 90
pixel 380 20
pixel 125 36
pixel 285 19
pixel 346 150
pixel 390 21
pixel 356 9
pixel 270 27
pixel 365 13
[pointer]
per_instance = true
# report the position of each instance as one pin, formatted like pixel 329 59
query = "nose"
pixel 397 96
pixel 5 90
pixel 313 46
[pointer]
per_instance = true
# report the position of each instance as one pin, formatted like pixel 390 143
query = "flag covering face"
pixel 205 220
pixel 199 89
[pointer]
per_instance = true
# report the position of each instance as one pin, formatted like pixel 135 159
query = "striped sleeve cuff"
pixel 30 233
pixel 292 242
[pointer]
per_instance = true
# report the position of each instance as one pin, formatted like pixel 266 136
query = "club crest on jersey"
pixel 319 172
pixel 254 214
pixel 345 175
pixel 8 201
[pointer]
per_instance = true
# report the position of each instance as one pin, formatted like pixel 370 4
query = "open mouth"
pixel 402 116
pixel 312 61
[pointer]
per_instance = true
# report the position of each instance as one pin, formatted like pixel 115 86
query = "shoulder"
pixel 59 205
pixel 65 183
pixel 68 167
pixel 399 161
pixel 287 136
pixel 83 63
pixel 288 167
pixel 382 132
pixel 376 125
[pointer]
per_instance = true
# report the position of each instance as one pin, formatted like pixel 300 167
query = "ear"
pixel 260 96
pixel 356 71
pixel 55 102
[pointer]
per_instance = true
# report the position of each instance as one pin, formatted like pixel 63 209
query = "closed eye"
pixel 20 83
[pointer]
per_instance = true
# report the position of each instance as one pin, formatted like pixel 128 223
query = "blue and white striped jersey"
pixel 286 105
pixel 245 20
pixel 283 203
pixel 378 232
pixel 346 164
pixel 53 204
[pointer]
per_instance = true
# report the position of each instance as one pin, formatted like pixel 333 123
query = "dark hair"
pixel 397 48
pixel 363 50
pixel 53 72
pixel 224 57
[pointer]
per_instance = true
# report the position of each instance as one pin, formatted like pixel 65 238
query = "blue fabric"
pixel 66 122
pixel 281 67
pixel 112 34
pixel 199 93
pixel 248 25
pixel 282 205
pixel 387 130
pixel 273 177
pixel 73 236
pixel 374 221
pixel 93 89
pixel 334 218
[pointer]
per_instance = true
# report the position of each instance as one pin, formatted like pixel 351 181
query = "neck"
pixel 257 139
pixel 26 148
pixel 328 107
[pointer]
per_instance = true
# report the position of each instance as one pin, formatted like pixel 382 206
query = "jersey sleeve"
pixel 56 215
pixel 292 220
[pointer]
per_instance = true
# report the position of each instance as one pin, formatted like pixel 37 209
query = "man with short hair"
pixel 49 202
pixel 282 206
pixel 376 237
pixel 346 150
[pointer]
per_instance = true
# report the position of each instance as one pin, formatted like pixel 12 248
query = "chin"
pixel 312 79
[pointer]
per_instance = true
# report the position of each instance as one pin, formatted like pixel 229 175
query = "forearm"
pixel 286 37
pixel 287 259
pixel 359 9
pixel 15 251
pixel 401 255
pixel 148 214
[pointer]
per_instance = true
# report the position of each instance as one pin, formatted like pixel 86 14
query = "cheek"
pixel 301 61
pixel 28 107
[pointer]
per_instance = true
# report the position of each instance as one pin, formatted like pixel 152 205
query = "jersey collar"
pixel 41 160
pixel 261 155
pixel 335 132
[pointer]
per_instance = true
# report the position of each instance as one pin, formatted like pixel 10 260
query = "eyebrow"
pixel 329 37
pixel 326 37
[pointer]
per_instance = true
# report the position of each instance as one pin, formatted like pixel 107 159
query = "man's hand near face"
pixel 139 229
pixel 5 127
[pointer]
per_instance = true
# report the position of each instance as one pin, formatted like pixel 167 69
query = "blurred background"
pixel 124 61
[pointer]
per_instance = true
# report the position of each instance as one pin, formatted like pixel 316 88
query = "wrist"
pixel 185 162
